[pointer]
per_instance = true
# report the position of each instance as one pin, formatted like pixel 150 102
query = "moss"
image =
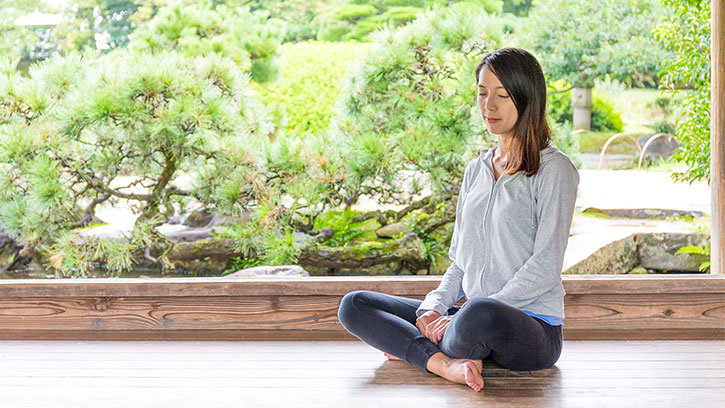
pixel 638 270
pixel 93 225
pixel 593 143
pixel 592 214
pixel 368 228
pixel 364 248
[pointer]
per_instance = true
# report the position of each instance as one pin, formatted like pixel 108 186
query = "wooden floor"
pixel 348 374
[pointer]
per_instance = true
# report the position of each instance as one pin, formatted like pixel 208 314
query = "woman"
pixel 512 223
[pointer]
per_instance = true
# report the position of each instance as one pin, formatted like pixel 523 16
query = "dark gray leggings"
pixel 482 327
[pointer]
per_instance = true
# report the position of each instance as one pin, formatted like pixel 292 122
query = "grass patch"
pixel 639 111
pixel 593 143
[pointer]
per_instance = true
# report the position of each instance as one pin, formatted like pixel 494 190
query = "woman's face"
pixel 497 108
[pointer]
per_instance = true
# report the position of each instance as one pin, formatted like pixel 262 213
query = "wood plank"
pixel 717 138
pixel 617 308
pixel 610 349
pixel 335 286
pixel 674 311
pixel 350 374
pixel 270 397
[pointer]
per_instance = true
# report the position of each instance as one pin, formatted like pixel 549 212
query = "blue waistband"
pixel 551 320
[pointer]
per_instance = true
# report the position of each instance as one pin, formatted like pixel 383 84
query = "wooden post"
pixel 717 138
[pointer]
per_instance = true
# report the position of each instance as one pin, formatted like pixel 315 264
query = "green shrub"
pixel 490 6
pixel 353 12
pixel 303 99
pixel 604 117
pixel 251 39
pixel 410 105
pixel 664 127
pixel 153 117
pixel 394 16
pixel 566 141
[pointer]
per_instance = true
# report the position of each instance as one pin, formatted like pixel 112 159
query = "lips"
pixel 492 120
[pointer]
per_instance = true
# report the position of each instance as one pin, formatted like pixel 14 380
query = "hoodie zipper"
pixel 486 214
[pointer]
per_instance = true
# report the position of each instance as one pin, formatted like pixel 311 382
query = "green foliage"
pixel 489 6
pixel 686 32
pixel 559 109
pixel 16 40
pixel 251 39
pixel 517 7
pixel 436 242
pixel 665 127
pixel 604 117
pixel 303 98
pixel 408 106
pixel 566 141
pixel 579 41
pixel 353 12
pixel 705 266
pixel 341 223
pixel 81 122
pixel 359 19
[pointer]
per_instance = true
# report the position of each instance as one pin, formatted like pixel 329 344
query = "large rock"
pixel 375 257
pixel 211 255
pixel 261 271
pixel 393 230
pixel 643 213
pixel 657 250
pixel 9 251
pixel 617 257
pixel 660 148
pixel 196 226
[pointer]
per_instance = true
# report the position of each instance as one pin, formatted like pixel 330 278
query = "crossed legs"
pixel 482 327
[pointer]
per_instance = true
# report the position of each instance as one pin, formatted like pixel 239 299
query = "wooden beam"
pixel 602 307
pixel 717 138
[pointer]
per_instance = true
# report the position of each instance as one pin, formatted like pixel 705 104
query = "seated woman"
pixel 512 224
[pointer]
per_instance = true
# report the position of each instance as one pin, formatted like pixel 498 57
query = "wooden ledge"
pixel 337 286
pixel 596 307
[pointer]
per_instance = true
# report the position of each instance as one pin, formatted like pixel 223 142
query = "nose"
pixel 489 104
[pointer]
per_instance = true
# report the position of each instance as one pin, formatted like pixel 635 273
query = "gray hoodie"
pixel 510 236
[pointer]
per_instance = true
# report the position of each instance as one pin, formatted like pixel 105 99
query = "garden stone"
pixel 9 251
pixel 106 231
pixel 196 226
pixel 643 213
pixel 657 251
pixel 617 257
pixel 210 255
pixel 261 271
pixel 660 148
pixel 393 230
pixel 409 249
pixel 302 238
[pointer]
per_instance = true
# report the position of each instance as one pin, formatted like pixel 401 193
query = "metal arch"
pixel 609 141
pixel 647 143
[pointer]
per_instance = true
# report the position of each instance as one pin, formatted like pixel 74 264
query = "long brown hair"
pixel 522 77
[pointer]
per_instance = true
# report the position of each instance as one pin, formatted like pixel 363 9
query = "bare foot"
pixel 391 357
pixel 458 370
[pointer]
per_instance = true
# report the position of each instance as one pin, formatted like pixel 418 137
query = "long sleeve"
pixel 556 195
pixel 450 290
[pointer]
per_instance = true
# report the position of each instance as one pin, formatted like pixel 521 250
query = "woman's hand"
pixel 432 325
pixel 437 328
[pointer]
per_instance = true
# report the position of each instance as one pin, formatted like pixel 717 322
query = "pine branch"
pixel 90 211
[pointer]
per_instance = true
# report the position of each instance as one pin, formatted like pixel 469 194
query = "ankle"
pixel 437 362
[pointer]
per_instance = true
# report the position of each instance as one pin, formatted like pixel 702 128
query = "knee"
pixel 486 312
pixel 349 307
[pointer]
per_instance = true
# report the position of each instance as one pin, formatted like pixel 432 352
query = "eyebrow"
pixel 498 87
